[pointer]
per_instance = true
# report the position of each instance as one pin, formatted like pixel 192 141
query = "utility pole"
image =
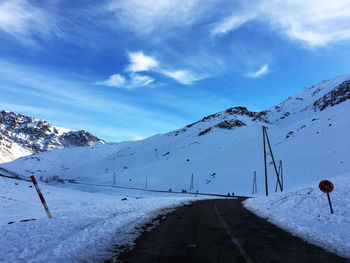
pixel 266 186
pixel 273 160
pixel 146 181
pixel 280 172
pixel 114 179
pixel 255 188
pixel 191 185
pixel 266 137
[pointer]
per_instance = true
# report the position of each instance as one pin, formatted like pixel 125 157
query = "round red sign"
pixel 326 186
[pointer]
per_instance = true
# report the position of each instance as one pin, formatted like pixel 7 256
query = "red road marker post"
pixel 41 196
pixel 327 187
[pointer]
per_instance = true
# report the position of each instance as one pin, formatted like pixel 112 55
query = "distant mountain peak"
pixel 21 135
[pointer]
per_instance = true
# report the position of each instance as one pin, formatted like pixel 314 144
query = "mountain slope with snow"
pixel 21 135
pixel 222 150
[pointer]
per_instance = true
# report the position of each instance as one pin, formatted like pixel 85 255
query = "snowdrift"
pixel 305 212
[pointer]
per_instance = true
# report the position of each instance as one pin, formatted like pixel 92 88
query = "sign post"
pixel 41 197
pixel 327 187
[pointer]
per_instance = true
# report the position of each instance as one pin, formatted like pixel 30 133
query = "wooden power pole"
pixel 265 136
pixel 255 188
pixel 191 185
pixel 280 172
pixel 266 186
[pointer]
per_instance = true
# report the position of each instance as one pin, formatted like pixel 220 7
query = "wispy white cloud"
pixel 147 16
pixel 133 81
pixel 262 71
pixel 22 20
pixel 231 23
pixel 183 76
pixel 314 22
pixel 139 81
pixel 137 62
pixel 115 80
pixel 141 62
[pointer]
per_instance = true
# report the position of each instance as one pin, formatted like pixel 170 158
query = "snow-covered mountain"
pixel 21 135
pixel 308 131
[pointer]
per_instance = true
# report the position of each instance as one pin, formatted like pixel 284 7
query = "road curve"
pixel 221 230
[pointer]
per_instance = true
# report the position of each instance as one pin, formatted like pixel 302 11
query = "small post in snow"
pixel 146 181
pixel 114 180
pixel 327 187
pixel 41 196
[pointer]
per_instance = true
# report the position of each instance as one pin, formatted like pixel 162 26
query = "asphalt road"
pixel 221 231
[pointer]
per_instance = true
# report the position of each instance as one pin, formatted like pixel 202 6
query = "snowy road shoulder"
pixel 83 227
pixel 305 212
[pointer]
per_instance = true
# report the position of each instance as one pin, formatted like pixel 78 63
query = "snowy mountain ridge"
pixel 21 135
pixel 328 93
pixel 221 150
pixel 228 119
pixel 307 99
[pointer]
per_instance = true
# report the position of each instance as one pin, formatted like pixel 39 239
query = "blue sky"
pixel 129 69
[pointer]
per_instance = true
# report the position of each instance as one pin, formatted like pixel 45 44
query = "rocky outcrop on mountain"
pixel 21 135
pixel 243 111
pixel 228 119
pixel 238 111
pixel 229 125
pixel 338 95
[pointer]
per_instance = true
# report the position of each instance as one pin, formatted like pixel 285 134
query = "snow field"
pixel 305 212
pixel 83 227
